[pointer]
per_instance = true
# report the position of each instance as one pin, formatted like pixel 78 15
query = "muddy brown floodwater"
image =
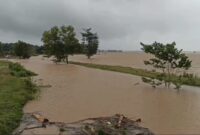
pixel 79 92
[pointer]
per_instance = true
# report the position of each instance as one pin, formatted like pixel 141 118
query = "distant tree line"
pixel 6 48
pixel 59 42
pixel 20 49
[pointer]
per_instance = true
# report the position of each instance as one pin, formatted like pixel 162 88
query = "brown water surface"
pixel 78 92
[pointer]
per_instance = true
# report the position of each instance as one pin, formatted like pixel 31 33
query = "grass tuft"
pixel 19 71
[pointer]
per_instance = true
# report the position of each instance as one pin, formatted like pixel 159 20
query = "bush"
pixel 31 87
pixel 23 50
pixel 19 71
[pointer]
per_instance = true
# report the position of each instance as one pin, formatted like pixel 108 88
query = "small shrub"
pixel 19 71
pixel 31 87
pixel 101 132
pixel 62 129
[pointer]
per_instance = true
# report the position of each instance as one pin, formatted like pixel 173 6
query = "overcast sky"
pixel 120 24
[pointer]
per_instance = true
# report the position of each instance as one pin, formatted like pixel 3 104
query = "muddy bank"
pixel 118 124
pixel 85 93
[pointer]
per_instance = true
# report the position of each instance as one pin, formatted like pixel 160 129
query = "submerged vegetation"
pixel 172 62
pixel 16 88
pixel 185 79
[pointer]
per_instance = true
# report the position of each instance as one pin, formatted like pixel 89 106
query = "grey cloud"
pixel 120 24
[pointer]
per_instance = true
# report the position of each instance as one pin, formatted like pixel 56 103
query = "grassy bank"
pixel 185 80
pixel 16 89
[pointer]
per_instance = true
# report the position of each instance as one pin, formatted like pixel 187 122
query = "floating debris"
pixel 35 123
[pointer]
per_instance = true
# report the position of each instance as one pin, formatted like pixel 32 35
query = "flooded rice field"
pixel 78 92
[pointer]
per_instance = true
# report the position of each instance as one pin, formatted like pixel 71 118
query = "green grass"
pixel 15 90
pixel 185 80
pixel 19 71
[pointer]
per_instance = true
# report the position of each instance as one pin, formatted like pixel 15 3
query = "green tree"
pixel 90 42
pixel 1 50
pixel 39 50
pixel 60 42
pixel 22 50
pixel 8 48
pixel 169 60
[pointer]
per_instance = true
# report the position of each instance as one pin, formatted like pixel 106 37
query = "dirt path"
pixel 79 93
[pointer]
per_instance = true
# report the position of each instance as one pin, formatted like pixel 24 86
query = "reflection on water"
pixel 79 92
